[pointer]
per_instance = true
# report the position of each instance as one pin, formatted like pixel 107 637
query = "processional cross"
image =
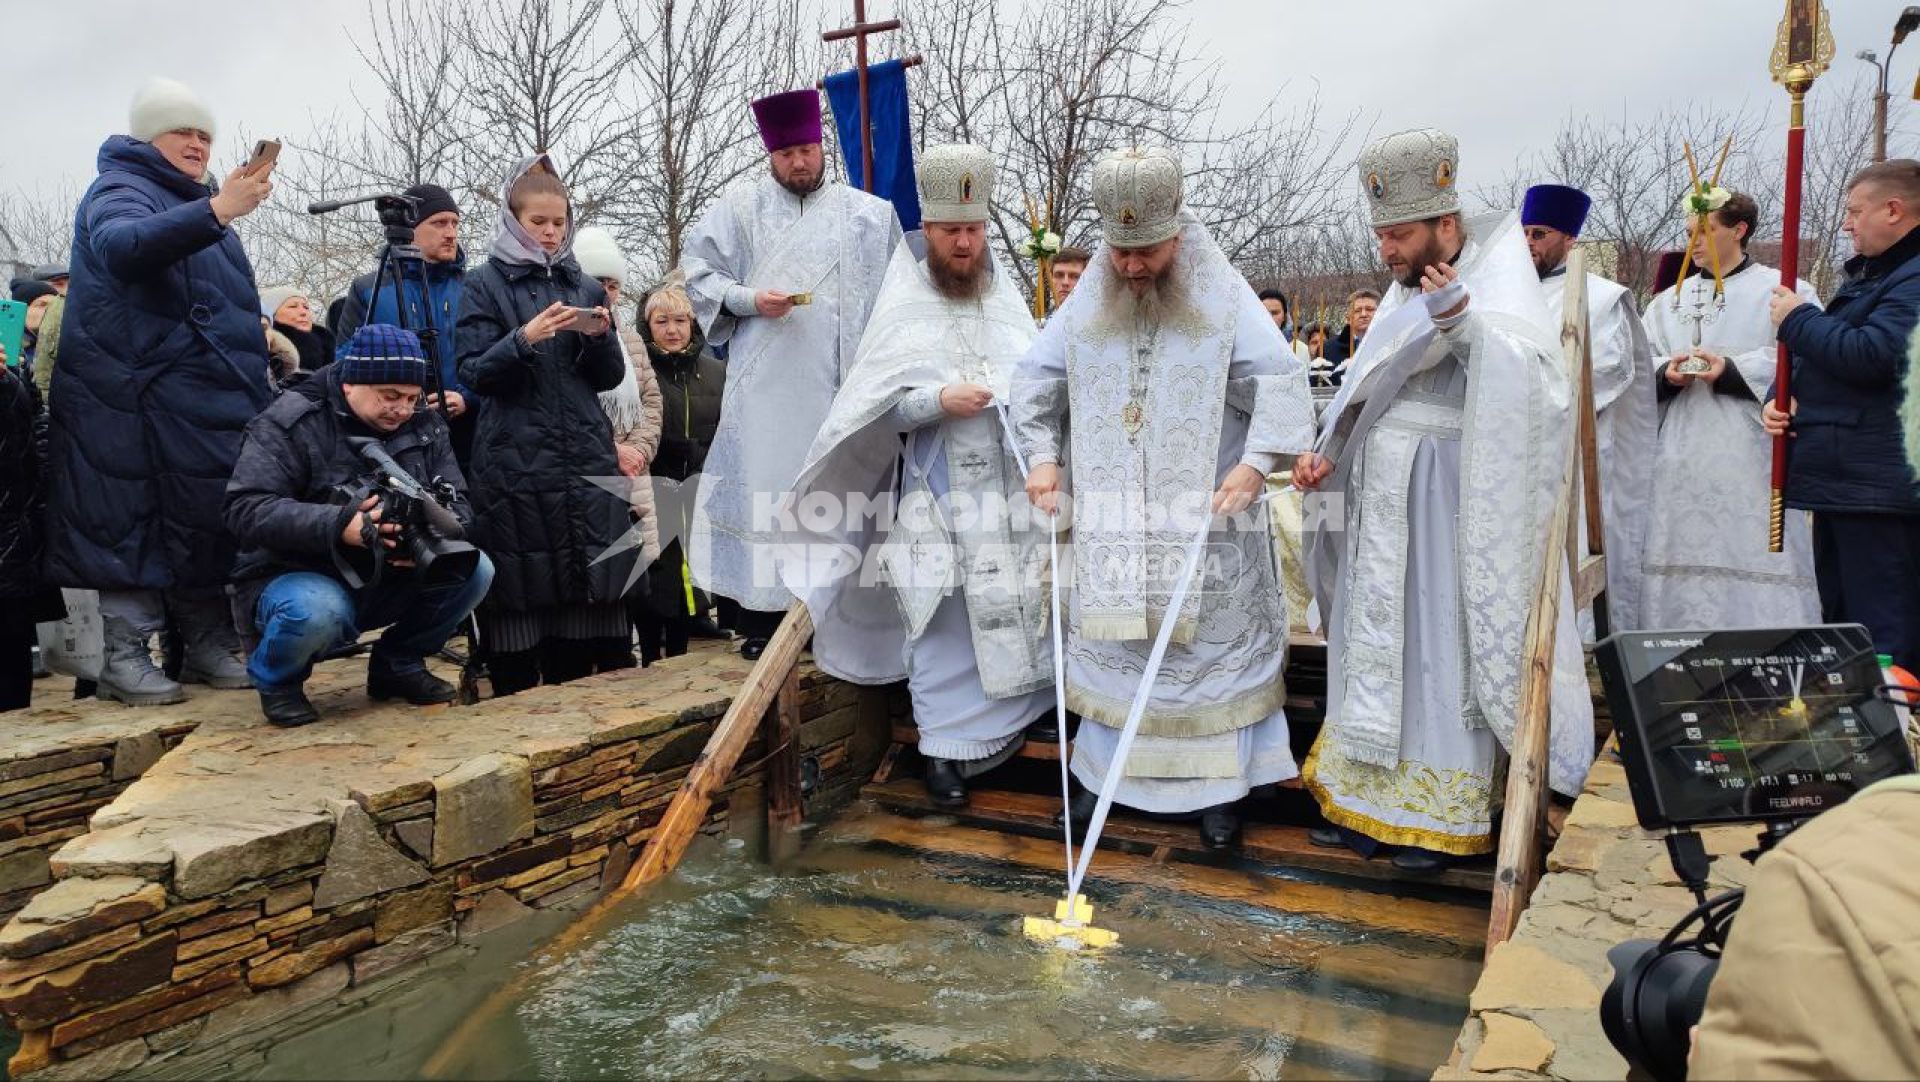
pixel 859 31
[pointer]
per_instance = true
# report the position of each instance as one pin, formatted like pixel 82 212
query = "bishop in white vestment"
pixel 782 272
pixel 947 588
pixel 1164 393
pixel 1707 563
pixel 1446 445
pixel 1625 420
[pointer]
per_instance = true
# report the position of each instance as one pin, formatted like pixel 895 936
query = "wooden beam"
pixel 785 809
pixel 1517 866
pixel 731 737
pixel 1590 485
pixel 1354 906
pixel 708 775
pixel 1589 580
pixel 1032 814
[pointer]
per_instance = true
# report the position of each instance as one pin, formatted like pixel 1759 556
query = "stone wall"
pixel 252 874
pixel 53 776
pixel 1536 1009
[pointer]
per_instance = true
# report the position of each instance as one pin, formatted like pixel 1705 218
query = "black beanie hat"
pixel 433 199
pixel 25 290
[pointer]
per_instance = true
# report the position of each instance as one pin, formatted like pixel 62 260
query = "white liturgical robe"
pixel 1707 564
pixel 1146 418
pixel 782 374
pixel 1425 553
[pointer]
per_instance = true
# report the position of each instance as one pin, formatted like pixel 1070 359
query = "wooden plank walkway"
pixel 1032 814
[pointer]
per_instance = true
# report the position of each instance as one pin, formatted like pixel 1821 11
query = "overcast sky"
pixel 1501 74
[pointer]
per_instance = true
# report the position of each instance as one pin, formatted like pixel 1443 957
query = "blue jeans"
pixel 304 614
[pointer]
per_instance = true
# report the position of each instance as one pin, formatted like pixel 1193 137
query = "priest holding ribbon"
pixel 782 271
pixel 947 587
pixel 1162 398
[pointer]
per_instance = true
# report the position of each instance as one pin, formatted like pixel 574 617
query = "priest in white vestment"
pixel 782 272
pixel 1707 564
pixel 1625 421
pixel 1165 395
pixel 1445 447
pixel 945 588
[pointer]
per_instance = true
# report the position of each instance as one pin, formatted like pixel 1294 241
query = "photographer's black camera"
pixel 430 535
pixel 1764 726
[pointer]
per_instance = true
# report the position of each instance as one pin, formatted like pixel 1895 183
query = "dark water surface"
pixel 862 960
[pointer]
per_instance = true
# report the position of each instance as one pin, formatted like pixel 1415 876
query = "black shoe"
pixel 1421 861
pixel 1080 807
pixel 1327 837
pixel 419 687
pixel 1044 729
pixel 945 786
pixel 751 649
pixel 1219 826
pixel 703 627
pixel 287 707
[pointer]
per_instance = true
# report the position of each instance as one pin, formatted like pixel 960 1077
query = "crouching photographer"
pixel 351 514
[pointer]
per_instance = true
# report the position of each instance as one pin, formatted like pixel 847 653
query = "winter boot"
pixel 210 644
pixel 128 673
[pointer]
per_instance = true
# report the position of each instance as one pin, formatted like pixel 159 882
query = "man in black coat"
pixel 1340 348
pixel 307 581
pixel 1845 462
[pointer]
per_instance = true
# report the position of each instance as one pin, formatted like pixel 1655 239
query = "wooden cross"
pixel 858 32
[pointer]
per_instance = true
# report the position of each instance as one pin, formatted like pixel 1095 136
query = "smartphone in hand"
pixel 265 153
pixel 587 321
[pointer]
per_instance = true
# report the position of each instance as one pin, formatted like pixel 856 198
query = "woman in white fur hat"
pixel 163 364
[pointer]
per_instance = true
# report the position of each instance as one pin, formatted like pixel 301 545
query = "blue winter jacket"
pixel 1849 366
pixel 162 363
pixel 444 284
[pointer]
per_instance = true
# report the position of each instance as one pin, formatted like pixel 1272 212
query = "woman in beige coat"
pixel 633 408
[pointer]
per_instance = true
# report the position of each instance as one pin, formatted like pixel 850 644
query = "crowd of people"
pixel 565 462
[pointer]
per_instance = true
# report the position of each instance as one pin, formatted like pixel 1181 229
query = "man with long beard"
pixel 1446 443
pixel 1167 395
pixel 960 608
pixel 782 271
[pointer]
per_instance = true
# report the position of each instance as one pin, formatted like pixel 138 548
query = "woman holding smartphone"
pixel 533 339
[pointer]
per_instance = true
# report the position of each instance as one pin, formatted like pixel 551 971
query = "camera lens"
pixel 1655 1000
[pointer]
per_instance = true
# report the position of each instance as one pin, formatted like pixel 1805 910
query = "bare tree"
pixel 693 130
pixel 548 77
pixel 1052 87
pixel 413 131
pixel 36 226
pixel 323 253
pixel 1636 171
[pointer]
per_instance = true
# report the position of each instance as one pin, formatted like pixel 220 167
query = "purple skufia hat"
pixel 1556 206
pixel 788 119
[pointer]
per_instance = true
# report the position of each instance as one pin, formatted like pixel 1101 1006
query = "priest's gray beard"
pixel 953 283
pixel 1165 302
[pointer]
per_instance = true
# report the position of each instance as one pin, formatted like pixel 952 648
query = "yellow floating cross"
pixel 1071 927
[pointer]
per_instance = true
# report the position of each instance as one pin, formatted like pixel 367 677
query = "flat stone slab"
pixel 239 800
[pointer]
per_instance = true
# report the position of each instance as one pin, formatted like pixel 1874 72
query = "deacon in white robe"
pixel 1707 563
pixel 946 588
pixel 782 271
pixel 1165 393
pixel 1625 419
pixel 1444 447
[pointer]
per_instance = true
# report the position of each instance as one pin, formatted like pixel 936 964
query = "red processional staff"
pixel 1801 52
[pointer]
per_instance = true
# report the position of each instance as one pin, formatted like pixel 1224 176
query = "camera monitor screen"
pixel 1749 725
